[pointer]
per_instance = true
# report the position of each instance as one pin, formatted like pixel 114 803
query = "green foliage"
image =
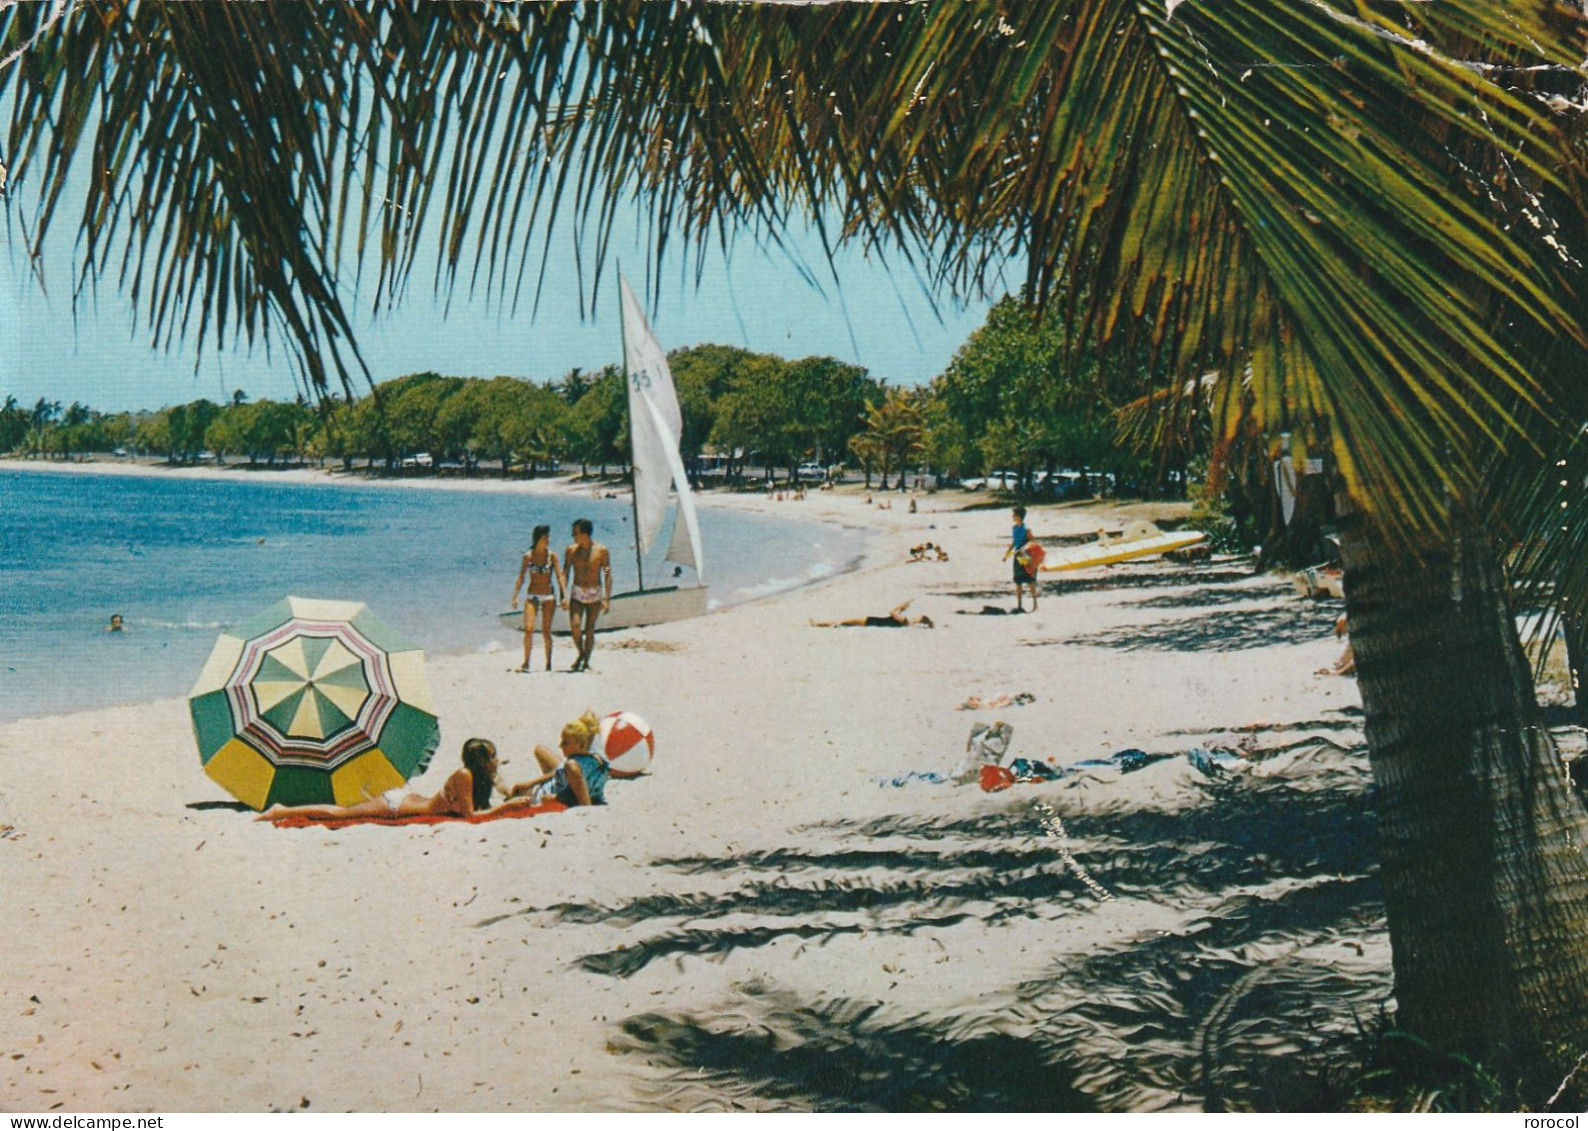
pixel 1210 513
pixel 785 411
pixel 14 424
pixel 946 445
pixel 703 375
pixel 892 438
pixel 1037 402
pixel 732 397
pixel 596 430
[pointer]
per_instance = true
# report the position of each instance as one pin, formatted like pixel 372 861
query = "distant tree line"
pixel 1012 399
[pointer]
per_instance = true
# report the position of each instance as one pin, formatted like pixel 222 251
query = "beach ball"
pixel 627 743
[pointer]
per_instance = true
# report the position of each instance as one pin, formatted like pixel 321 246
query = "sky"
pixel 755 298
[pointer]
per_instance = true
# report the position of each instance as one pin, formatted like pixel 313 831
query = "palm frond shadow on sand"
pixel 1210 596
pixel 1232 631
pixel 1266 953
pixel 1155 577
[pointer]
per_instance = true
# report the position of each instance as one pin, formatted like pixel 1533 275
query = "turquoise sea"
pixel 182 559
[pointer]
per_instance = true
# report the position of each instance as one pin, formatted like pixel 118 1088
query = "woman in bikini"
pixel 542 568
pixel 467 792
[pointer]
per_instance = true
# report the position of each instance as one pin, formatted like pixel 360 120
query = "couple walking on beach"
pixel 584 580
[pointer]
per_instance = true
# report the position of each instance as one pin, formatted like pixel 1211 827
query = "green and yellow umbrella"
pixel 313 702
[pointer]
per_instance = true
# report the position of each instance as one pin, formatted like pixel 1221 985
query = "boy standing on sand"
pixel 589 572
pixel 1018 537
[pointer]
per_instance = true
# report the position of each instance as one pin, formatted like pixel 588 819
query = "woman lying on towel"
pixel 467 791
pixel 575 776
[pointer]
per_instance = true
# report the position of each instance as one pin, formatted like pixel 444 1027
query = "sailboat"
pixel 656 427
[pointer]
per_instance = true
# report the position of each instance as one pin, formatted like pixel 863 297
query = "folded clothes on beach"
pixel 910 777
pixel 499 814
pixel 1126 761
pixel 1210 762
pixel 995 778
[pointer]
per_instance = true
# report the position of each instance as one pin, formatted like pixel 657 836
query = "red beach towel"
pixel 423 818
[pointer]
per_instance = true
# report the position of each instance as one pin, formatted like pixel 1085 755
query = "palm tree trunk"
pixel 1481 837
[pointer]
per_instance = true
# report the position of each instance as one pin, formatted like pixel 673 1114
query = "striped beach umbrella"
pixel 313 702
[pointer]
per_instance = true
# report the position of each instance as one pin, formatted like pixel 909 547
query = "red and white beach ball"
pixel 627 743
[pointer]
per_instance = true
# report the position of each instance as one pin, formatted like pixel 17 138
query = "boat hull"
pixel 629 610
pixel 1107 553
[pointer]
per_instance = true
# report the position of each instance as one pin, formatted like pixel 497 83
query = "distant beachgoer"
pixel 912 504
pixel 574 776
pixel 589 577
pixel 895 618
pixel 546 581
pixel 468 791
pixel 1346 664
pixel 116 624
pixel 1023 576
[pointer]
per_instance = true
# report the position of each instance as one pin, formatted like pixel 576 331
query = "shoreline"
pixel 561 483
pixel 494 641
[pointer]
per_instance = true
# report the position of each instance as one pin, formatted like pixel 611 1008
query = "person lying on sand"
pixel 575 776
pixel 468 791
pixel 894 619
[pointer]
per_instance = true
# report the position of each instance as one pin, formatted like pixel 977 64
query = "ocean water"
pixel 183 559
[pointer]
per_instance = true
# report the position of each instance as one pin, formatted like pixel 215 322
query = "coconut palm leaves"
pixel 1240 183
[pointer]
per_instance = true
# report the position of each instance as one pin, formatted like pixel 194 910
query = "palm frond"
pixel 1354 205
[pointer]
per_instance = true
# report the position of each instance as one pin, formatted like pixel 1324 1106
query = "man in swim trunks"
pixel 589 571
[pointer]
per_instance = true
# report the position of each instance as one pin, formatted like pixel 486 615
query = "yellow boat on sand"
pixel 1139 540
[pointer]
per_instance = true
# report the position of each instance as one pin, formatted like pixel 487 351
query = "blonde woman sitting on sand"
pixel 468 791
pixel 575 776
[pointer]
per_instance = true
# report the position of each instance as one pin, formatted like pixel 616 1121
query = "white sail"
pixel 680 547
pixel 656 425
pixel 684 551
pixel 653 434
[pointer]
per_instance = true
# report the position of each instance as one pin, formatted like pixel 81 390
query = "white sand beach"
pixel 761 921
